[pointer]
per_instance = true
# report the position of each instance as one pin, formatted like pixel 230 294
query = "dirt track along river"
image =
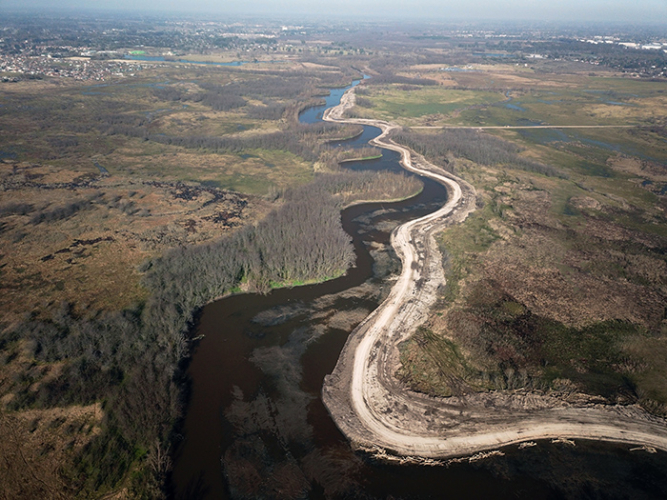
pixel 379 414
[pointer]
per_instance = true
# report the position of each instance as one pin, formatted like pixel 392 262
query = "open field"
pixel 488 99
pixel 418 105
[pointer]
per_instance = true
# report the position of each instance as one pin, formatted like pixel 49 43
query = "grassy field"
pixel 251 172
pixel 425 104
pixel 518 97
pixel 589 101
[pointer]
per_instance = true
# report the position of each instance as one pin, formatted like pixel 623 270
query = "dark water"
pixel 515 107
pixel 102 170
pixel 255 426
pixel 314 114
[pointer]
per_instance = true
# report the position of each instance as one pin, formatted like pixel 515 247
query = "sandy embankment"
pixel 376 412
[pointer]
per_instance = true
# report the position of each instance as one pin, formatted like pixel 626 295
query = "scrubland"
pixel 126 207
pixel 557 282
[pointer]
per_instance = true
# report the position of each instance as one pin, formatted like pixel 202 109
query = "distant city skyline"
pixel 654 11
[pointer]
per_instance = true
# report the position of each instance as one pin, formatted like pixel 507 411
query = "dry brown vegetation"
pixel 97 184
pixel 68 236
pixel 556 284
pixel 36 445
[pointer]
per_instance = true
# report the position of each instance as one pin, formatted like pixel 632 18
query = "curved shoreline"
pixel 377 413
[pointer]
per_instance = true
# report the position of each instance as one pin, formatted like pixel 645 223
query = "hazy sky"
pixel 571 10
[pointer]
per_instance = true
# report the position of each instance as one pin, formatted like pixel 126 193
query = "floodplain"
pixel 130 204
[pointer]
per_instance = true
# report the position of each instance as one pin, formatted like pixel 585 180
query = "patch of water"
pixel 616 103
pixel 7 155
pixel 152 114
pixel 526 122
pixel 548 136
pixel 515 107
pixel 492 54
pixel 454 69
pixel 102 170
pixel 314 114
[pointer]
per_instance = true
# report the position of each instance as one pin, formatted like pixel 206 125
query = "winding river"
pixel 255 425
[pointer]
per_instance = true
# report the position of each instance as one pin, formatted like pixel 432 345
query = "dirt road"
pixel 376 412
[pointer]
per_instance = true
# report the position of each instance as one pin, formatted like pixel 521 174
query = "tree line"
pixel 306 141
pixel 300 241
pixel 478 147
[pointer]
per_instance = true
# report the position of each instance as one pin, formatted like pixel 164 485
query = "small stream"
pixel 255 426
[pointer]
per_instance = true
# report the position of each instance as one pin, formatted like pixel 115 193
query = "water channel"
pixel 255 426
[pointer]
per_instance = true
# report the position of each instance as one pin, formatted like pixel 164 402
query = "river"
pixel 255 426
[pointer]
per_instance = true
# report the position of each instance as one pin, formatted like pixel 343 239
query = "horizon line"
pixel 319 16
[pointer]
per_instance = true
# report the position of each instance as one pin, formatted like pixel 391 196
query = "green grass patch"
pixel 461 244
pixel 433 364
pixel 393 102
pixel 505 337
pixel 293 283
pixel 590 101
pixel 251 172
pixel 591 356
